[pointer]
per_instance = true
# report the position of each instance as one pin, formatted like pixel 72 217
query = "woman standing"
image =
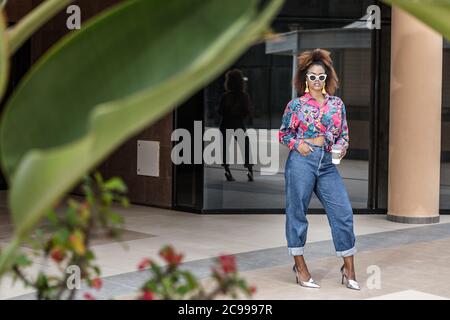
pixel 234 108
pixel 311 125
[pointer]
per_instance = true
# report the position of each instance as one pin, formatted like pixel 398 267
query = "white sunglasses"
pixel 312 77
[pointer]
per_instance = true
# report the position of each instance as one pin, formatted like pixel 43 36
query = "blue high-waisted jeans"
pixel 316 173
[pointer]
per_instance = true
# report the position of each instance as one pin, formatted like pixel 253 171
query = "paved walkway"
pixel 394 260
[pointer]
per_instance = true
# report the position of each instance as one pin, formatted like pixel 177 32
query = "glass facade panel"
pixel 268 84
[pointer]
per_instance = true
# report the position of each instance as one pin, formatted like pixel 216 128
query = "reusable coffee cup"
pixel 336 150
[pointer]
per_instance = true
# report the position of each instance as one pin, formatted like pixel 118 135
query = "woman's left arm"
pixel 343 138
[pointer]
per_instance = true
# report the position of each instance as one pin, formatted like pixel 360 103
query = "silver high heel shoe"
pixel 308 284
pixel 351 284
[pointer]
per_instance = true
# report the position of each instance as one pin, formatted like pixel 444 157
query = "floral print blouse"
pixel 304 118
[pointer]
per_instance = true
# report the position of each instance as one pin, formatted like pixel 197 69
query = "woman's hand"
pixel 304 149
pixel 343 152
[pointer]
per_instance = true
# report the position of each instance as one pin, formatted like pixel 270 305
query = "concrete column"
pixel 415 121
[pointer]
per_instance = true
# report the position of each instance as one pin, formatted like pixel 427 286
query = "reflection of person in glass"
pixel 234 108
pixel 311 125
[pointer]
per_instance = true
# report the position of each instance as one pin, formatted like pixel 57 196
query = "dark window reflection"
pixel 444 202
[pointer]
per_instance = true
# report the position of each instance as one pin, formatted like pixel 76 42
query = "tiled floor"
pixel 412 259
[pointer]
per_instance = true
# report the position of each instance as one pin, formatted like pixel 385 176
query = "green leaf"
pixel 107 198
pixel 190 279
pixel 97 270
pixel 241 284
pixel 4 57
pixel 182 290
pixel 90 256
pixel 115 218
pixel 125 202
pixel 33 21
pixel 23 261
pixel 435 13
pixel 98 178
pixel 168 285
pixel 52 217
pixel 116 184
pixel 42 281
pixel 106 82
pixel 156 269
pixel 61 237
pixel 72 216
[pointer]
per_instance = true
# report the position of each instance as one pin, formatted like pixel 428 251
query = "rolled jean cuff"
pixel 297 251
pixel 347 253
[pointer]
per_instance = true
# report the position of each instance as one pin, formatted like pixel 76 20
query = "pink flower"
pixel 57 255
pixel 252 290
pixel 88 296
pixel 147 295
pixel 144 264
pixel 96 283
pixel 170 256
pixel 228 263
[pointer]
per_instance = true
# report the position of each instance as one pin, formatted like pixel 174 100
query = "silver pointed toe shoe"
pixel 307 284
pixel 351 284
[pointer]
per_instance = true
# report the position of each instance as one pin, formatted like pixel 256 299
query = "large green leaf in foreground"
pixel 435 13
pixel 108 81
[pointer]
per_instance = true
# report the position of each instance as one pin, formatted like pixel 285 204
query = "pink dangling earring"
pixel 307 88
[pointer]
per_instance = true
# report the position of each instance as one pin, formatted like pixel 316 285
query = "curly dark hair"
pixel 234 80
pixel 315 57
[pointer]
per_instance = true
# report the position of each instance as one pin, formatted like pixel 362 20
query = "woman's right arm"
pixel 287 134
